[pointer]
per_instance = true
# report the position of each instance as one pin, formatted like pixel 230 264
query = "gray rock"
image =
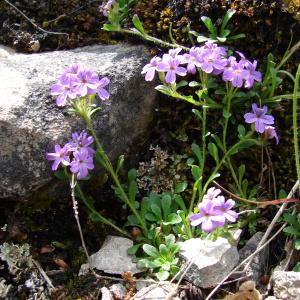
pixel 156 292
pixel 30 122
pixel 112 258
pixel 106 294
pixel 212 260
pixel 286 285
pixel 259 263
pixel 118 290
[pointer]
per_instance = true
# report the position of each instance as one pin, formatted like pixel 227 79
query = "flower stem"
pixel 108 166
pixel 295 129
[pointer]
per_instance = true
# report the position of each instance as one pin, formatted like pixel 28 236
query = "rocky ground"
pixel 48 225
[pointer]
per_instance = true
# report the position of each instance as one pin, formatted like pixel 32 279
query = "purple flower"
pixel 213 61
pixel 59 156
pixel 149 69
pixel 101 91
pixel 211 194
pixel 64 89
pixel 73 70
pixel 271 133
pixel 259 117
pixel 253 74
pixel 174 52
pixel 235 73
pixel 87 84
pixel 193 59
pixel 224 208
pixel 208 217
pixel 170 65
pixel 104 7
pixel 81 141
pixel 82 163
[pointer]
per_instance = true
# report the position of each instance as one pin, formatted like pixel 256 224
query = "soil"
pixel 267 25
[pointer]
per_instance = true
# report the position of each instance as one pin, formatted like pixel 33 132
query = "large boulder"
pixel 31 123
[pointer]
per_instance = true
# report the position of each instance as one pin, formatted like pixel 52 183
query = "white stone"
pixel 212 260
pixel 286 285
pixel 112 258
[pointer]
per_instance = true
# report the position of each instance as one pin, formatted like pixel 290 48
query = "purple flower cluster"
pixel 105 7
pixel 77 154
pixel 262 122
pixel 214 210
pixel 209 58
pixel 78 82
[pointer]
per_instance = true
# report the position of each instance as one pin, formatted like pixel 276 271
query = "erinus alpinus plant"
pixel 214 79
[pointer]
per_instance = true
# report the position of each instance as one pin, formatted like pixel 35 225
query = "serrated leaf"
pixel 138 24
pixel 291 230
pixel 150 250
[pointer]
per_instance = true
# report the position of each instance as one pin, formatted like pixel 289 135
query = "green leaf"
pixel 197 113
pixel 95 217
pixel 132 220
pixel 209 25
pixel 166 204
pixel 111 27
pixel 133 250
pixel 297 244
pixel 60 174
pixel 229 14
pixel 297 267
pixel 182 83
pixel 172 219
pixel 236 37
pixel 290 219
pixel 241 130
pixel 162 275
pixel 156 210
pixel 292 231
pixel 164 89
pixel 120 163
pixel 132 190
pixel 151 217
pixel 196 172
pixel 282 194
pixel 221 39
pixel 218 141
pixel 138 24
pixel 226 114
pixel 180 187
pixel 132 174
pixel 194 84
pixel 213 151
pixel 202 38
pixel 178 199
pixel 163 249
pixel 150 250
pixel 197 151
pixel 242 170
